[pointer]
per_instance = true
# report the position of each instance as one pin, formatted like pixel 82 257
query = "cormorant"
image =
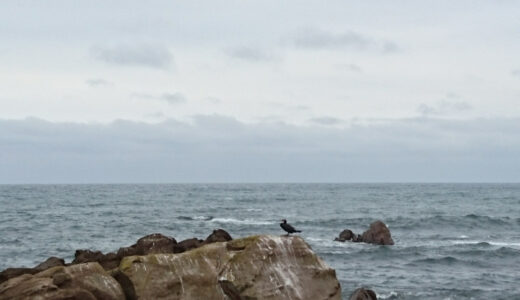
pixel 287 227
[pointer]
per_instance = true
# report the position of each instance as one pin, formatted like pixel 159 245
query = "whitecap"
pixel 493 243
pixel 330 243
pixel 195 218
pixel 253 209
pixel 236 221
pixel 504 244
pixel 391 295
pixel 204 218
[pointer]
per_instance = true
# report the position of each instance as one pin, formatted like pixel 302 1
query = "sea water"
pixel 452 241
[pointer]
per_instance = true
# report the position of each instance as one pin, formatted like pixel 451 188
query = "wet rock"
pixel 107 261
pixel 363 294
pixel 257 267
pixel 83 256
pixel 378 233
pixel 49 263
pixel 357 238
pixel 15 272
pixel 218 235
pixel 155 243
pixel 150 244
pixel 81 281
pixel 188 244
pixel 345 235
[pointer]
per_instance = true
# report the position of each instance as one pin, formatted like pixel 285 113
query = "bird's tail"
pixel 297 231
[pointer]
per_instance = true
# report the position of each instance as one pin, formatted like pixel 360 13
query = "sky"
pixel 259 91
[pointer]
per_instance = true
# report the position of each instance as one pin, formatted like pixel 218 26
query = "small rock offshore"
pixel 378 233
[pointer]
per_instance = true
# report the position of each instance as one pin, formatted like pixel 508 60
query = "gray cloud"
pixel 213 100
pixel 312 38
pixel 289 107
pixel 170 98
pixel 173 98
pixel 299 107
pixel 154 56
pixel 251 54
pixel 98 82
pixel 217 148
pixel 516 72
pixel 349 67
pixel 327 121
pixel 444 107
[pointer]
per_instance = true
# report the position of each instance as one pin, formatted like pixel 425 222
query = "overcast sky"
pixel 262 91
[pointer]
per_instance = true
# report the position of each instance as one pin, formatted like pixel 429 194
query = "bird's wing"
pixel 290 228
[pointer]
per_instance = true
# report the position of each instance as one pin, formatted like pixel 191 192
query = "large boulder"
pixel 363 294
pixel 378 233
pixel 81 281
pixel 15 272
pixel 257 267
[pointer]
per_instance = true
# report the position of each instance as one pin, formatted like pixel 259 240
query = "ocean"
pixel 452 241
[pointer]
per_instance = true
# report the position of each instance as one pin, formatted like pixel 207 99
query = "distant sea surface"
pixel 452 241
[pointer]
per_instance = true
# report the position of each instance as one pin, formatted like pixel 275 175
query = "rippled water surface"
pixel 453 241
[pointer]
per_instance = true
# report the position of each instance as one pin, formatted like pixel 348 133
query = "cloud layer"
pixel 221 149
pixel 252 54
pixel 313 38
pixel 154 56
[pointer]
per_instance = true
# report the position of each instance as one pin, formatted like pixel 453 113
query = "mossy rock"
pixel 256 267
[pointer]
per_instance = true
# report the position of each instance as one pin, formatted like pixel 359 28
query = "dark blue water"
pixel 453 241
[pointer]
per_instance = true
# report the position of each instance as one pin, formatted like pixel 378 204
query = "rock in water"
pixel 345 235
pixel 363 294
pixel 81 281
pixel 256 267
pixel 378 233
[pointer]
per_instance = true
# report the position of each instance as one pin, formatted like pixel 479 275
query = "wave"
pixel 445 260
pixel 514 245
pixel 482 244
pixel 253 209
pixel 339 223
pixel 196 218
pixel 245 222
pixel 438 222
pixel 390 296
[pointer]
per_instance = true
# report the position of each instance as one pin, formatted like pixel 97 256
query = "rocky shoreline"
pixel 218 267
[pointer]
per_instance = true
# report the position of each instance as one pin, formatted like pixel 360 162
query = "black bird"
pixel 287 227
